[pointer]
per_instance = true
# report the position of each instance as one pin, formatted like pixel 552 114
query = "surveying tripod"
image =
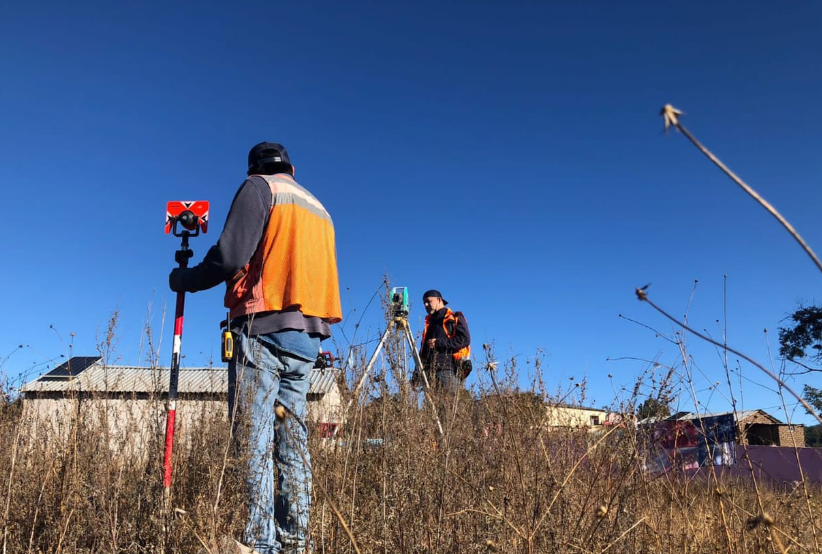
pixel 399 321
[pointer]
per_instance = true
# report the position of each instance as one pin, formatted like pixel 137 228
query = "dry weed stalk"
pixel 642 296
pixel 671 117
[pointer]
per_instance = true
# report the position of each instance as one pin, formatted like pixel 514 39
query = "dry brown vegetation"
pixel 498 480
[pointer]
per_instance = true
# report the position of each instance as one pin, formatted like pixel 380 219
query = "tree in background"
pixel 653 407
pixel 801 343
pixel 813 396
pixel 813 436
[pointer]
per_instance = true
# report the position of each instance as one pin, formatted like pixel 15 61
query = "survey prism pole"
pixel 184 220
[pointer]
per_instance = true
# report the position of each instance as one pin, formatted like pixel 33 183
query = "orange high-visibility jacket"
pixel 295 264
pixel 449 325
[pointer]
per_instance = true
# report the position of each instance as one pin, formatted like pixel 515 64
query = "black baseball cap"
pixel 267 153
pixel 435 294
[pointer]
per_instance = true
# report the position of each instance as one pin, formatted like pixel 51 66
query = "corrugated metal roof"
pixel 101 378
pixel 323 380
pixel 130 379
pixel 740 415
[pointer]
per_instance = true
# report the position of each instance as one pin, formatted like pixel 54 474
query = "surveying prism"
pixel 192 216
pixel 184 220
pixel 399 310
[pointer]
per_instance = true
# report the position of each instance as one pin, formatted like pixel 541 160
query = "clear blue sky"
pixel 508 154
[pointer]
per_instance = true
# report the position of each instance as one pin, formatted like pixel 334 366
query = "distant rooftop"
pixel 739 415
pixel 576 407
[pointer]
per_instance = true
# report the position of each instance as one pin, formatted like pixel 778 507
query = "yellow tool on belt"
pixel 227 339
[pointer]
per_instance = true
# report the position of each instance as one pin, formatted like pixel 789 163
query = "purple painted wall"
pixel 775 463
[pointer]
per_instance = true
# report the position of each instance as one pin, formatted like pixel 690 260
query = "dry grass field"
pixel 498 480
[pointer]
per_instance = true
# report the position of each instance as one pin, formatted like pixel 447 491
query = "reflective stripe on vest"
pixel 463 353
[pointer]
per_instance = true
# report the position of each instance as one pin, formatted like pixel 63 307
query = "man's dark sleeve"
pixel 241 234
pixel 423 349
pixel 461 338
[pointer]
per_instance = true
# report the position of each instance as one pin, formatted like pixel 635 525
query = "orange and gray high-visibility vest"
pixel 449 325
pixel 295 264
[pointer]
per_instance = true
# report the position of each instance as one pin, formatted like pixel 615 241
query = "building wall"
pixel 761 430
pixel 759 434
pixel 130 424
pixel 325 408
pixel 134 421
pixel 566 416
pixel 792 435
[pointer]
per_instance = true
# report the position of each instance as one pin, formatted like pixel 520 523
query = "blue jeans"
pixel 264 373
pixel 447 381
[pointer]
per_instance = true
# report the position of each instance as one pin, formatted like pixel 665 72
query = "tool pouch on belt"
pixel 227 347
pixel 464 368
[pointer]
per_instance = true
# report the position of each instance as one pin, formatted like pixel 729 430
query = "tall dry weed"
pixel 499 479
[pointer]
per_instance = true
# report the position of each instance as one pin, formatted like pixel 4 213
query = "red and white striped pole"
pixel 174 377
pixel 192 216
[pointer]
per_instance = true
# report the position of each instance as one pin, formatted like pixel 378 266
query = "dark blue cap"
pixel 267 153
pixel 435 294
